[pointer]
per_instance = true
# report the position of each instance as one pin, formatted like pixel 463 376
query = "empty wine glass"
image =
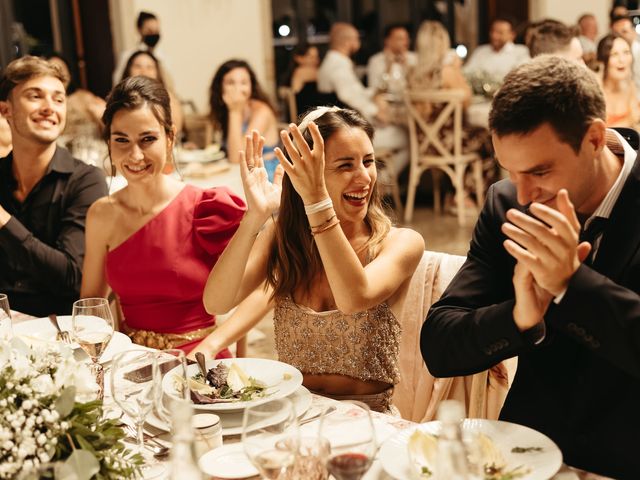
pixel 270 436
pixel 92 329
pixel 134 384
pixel 170 362
pixel 353 441
pixel 6 331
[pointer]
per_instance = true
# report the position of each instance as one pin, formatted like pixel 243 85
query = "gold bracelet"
pixel 313 227
pixel 325 227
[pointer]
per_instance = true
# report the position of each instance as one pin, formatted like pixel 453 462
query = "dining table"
pixel 385 426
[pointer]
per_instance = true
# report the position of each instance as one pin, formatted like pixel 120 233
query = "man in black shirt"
pixel 44 193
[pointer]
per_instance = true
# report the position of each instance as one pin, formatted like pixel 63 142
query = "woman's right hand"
pixel 263 196
pixel 234 99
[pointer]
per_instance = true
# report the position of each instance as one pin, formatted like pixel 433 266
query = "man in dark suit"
pixel 534 286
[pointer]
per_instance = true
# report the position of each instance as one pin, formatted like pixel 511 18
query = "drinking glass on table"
pixel 92 329
pixel 353 441
pixel 174 363
pixel 6 331
pixel 270 436
pixel 134 383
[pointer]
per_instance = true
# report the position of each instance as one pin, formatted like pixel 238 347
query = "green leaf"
pixel 65 402
pixel 84 464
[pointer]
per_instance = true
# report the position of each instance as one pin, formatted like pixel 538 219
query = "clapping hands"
pixel 263 196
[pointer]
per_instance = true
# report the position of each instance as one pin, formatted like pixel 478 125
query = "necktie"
pixel 591 234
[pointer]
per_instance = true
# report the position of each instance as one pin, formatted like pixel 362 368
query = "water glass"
pixel 6 331
pixel 311 460
pixel 270 437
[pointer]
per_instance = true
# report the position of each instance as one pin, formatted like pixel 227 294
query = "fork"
pixel 62 334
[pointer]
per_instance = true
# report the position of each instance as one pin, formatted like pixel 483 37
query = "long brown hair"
pixel 294 260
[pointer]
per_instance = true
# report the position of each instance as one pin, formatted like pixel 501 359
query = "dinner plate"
pixel 42 330
pixel 542 463
pixel 232 421
pixel 281 380
pixel 200 156
pixel 227 461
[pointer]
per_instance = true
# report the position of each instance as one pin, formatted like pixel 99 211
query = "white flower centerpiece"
pixel 48 414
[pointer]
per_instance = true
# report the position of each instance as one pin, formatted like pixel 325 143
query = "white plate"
pixel 42 330
pixel 199 156
pixel 394 455
pixel 270 372
pixel 227 461
pixel 232 421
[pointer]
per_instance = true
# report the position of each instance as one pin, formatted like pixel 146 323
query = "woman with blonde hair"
pixel 336 265
pixel 616 60
pixel 438 66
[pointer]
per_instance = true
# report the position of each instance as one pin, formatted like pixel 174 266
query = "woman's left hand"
pixel 306 168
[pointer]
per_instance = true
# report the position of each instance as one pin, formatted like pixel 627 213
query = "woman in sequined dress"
pixel 337 266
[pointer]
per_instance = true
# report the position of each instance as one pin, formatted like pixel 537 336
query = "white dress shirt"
pixel 381 64
pixel 498 64
pixel 337 75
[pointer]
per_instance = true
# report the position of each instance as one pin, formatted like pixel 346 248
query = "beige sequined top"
pixel 363 345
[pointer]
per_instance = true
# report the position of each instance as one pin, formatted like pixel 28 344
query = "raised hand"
pixel 263 197
pixel 306 168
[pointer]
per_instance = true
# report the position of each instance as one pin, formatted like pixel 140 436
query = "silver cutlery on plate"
pixel 62 335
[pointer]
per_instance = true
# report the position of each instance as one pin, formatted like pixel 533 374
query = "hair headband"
pixel 314 115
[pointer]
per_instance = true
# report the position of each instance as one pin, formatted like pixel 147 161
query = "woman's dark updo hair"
pixel 136 92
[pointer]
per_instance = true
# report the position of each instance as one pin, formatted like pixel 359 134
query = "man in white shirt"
pixel 499 56
pixel 588 34
pixel 623 26
pixel 387 70
pixel 337 75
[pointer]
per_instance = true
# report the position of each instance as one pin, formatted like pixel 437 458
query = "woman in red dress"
pixel 155 241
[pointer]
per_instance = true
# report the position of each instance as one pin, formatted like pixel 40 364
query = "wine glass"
pixel 92 329
pixel 270 436
pixel 134 384
pixel 6 331
pixel 174 361
pixel 353 441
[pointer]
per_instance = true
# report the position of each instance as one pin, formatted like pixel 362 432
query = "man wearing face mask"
pixel 149 29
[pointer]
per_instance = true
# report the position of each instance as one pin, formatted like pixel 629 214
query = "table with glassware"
pixel 343 423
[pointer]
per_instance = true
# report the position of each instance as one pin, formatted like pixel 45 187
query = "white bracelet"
pixel 318 207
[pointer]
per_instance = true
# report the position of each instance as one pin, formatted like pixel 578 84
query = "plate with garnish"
pixel 235 383
pixel 504 450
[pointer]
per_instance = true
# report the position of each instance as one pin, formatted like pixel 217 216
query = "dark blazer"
pixel 581 385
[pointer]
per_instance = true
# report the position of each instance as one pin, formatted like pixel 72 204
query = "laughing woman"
pixel 335 263
pixel 155 241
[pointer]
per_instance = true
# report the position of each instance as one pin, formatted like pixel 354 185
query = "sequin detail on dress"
pixel 363 345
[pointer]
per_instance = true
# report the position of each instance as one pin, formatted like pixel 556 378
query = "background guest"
pixel 146 64
pixel 239 105
pixel 84 109
pixel 154 241
pixel 554 38
pixel 624 27
pixel 588 37
pixel 500 55
pixel 336 264
pixel 44 193
pixel 623 109
pixel 387 70
pixel 304 77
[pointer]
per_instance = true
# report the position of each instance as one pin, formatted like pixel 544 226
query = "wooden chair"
pixel 419 394
pixel 289 98
pixel 428 151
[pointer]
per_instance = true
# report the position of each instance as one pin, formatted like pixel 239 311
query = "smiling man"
pixel 553 271
pixel 44 193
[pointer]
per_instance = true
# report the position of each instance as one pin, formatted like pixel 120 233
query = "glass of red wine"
pixel 353 441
